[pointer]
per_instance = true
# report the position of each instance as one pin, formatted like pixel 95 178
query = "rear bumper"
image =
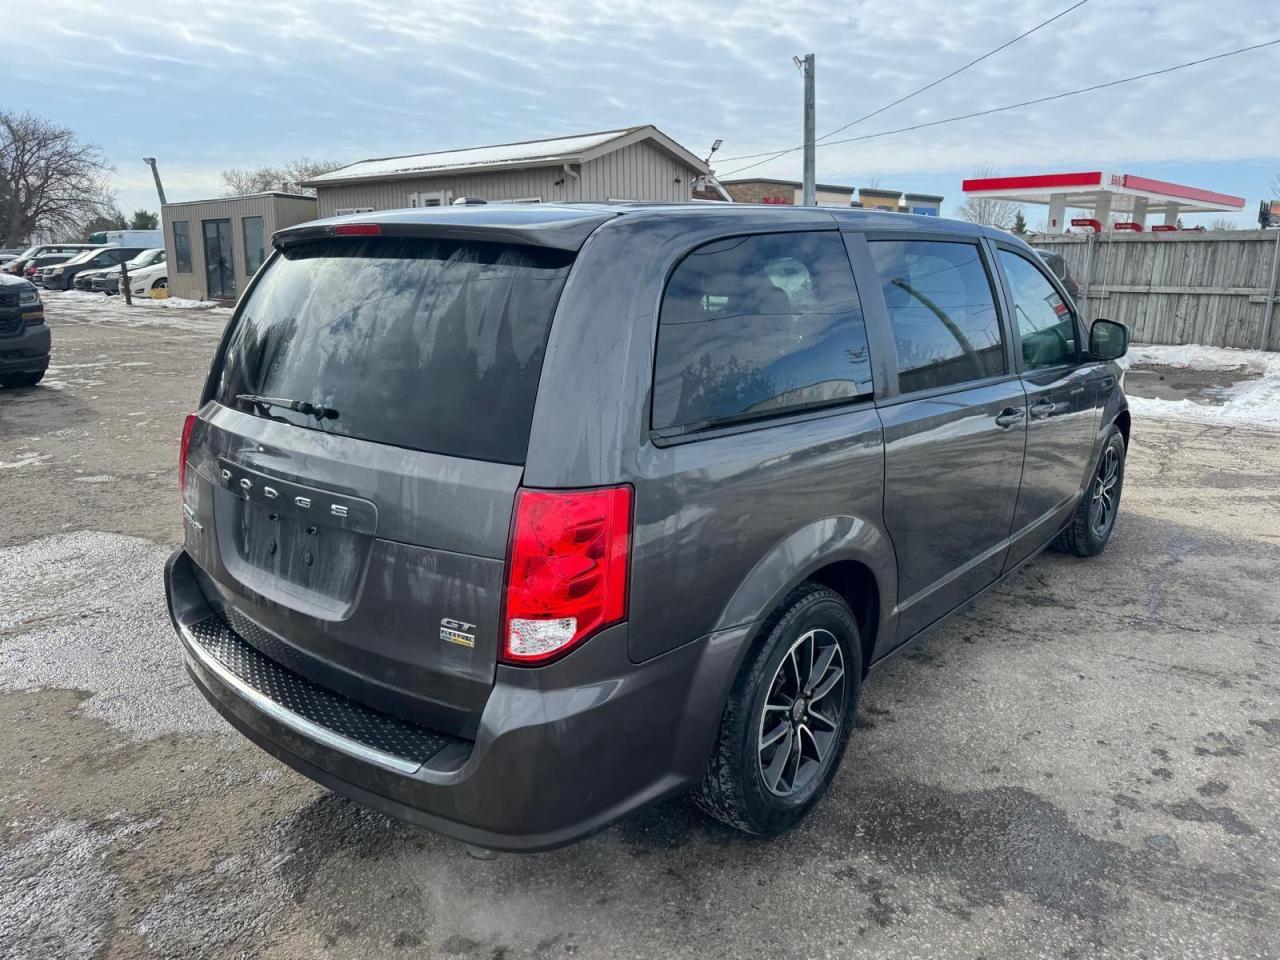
pixel 561 751
pixel 27 351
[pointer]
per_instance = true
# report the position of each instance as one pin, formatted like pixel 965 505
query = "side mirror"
pixel 1108 340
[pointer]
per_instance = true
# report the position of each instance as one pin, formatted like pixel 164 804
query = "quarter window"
pixel 759 326
pixel 1046 325
pixel 942 312
pixel 182 246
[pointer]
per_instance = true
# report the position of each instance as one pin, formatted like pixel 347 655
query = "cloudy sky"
pixel 209 84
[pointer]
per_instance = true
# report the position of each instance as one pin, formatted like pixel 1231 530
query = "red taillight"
pixel 187 426
pixel 357 230
pixel 566 570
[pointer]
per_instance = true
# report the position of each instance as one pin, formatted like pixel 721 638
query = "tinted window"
pixel 943 314
pixel 182 246
pixel 82 256
pixel 418 343
pixel 756 326
pixel 1045 322
pixel 253 247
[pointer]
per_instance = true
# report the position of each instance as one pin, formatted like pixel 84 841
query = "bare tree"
pixel 50 182
pixel 1222 223
pixel 286 178
pixel 989 211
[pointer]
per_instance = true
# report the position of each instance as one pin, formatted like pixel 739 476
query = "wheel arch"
pixel 1123 421
pixel 849 555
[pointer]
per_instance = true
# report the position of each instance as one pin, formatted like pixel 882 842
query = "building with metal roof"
pixel 633 163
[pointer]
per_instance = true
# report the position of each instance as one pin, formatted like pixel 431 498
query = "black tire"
pixel 1095 518
pixel 161 284
pixel 736 789
pixel 21 379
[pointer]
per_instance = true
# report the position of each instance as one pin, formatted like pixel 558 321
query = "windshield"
pixel 419 343
pixel 86 255
pixel 146 258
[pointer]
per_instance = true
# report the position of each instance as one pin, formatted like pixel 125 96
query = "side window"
pixel 942 311
pixel 1045 322
pixel 182 246
pixel 757 326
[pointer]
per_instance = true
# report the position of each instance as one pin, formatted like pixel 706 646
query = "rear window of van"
pixel 418 343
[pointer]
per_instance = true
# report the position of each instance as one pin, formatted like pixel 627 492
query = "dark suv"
pixel 510 520
pixel 61 277
pixel 24 336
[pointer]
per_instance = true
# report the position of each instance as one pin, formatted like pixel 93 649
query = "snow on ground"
pixel 1253 401
pixel 76 306
pixel 86 611
pixel 24 460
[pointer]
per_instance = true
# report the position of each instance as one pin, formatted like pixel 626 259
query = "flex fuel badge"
pixel 457 632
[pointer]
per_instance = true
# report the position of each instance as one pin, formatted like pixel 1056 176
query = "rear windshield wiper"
pixel 307 409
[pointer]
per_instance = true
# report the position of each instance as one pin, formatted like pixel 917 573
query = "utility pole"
pixel 151 162
pixel 806 64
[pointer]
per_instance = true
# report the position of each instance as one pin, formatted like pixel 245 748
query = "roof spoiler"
pixel 491 223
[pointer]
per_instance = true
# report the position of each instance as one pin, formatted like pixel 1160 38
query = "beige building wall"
pixel 276 211
pixel 635 172
pixel 879 199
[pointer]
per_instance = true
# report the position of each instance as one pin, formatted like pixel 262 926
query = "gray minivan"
pixel 510 520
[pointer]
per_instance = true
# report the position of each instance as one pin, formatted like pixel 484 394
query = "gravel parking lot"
pixel 1084 764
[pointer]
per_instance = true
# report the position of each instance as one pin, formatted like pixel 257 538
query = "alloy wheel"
pixel 1102 511
pixel 802 714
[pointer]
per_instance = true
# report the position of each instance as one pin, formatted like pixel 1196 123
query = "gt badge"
pixel 458 632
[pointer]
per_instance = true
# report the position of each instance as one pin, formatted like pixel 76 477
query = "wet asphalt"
pixel 1083 764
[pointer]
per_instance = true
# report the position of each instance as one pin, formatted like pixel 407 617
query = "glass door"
pixel 219 272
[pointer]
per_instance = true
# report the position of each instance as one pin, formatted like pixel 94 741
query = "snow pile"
pixel 76 306
pixel 1252 402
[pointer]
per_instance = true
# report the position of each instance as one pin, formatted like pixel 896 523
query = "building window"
pixel 348 211
pixel 428 198
pixel 253 244
pixel 182 246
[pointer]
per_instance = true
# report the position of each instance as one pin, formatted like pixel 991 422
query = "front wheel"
pixel 1095 517
pixel 788 718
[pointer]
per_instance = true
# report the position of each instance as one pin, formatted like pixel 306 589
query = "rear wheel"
pixel 21 379
pixel 788 718
pixel 1095 517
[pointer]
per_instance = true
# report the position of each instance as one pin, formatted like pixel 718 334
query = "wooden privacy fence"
pixel 1217 288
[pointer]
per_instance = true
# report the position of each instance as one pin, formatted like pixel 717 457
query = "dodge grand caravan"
pixel 509 520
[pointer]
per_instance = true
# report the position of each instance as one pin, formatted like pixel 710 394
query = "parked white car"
pixel 143 281
pixel 108 281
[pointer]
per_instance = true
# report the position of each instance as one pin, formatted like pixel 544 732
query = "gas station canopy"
pixel 1104 193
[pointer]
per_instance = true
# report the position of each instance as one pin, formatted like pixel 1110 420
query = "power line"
pixel 1037 100
pixel 928 86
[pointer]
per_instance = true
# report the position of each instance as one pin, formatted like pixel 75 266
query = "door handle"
pixel 1042 408
pixel 1009 416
